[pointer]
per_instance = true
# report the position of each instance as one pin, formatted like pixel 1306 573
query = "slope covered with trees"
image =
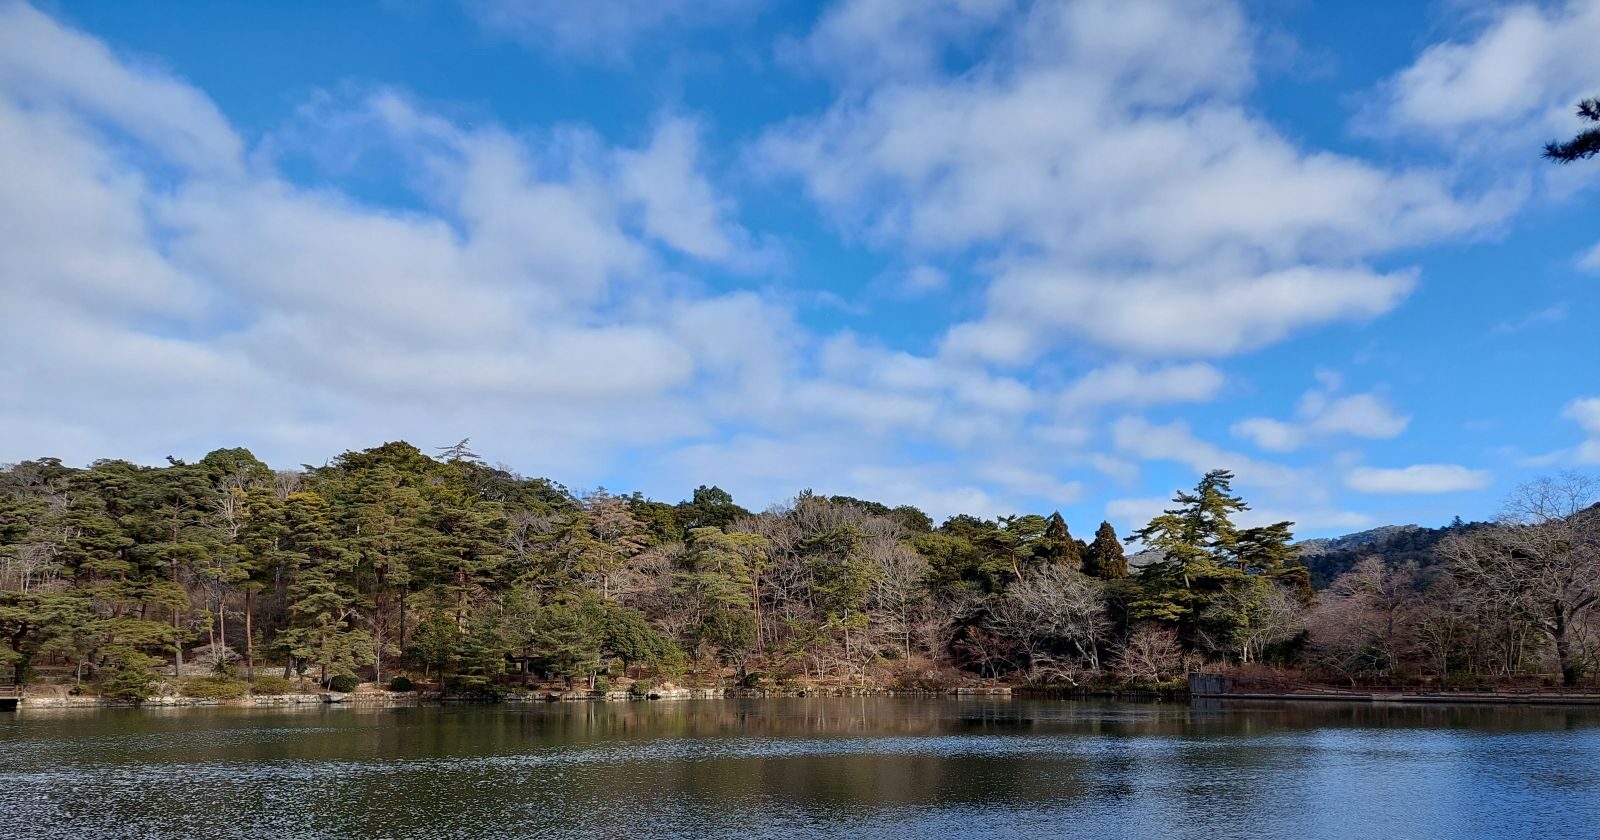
pixel 388 562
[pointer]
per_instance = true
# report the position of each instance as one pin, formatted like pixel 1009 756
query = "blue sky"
pixel 975 255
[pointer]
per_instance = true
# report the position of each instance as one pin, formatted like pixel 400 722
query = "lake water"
pixel 891 767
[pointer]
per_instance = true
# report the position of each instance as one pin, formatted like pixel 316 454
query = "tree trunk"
pixel 377 633
pixel 1570 669
pixel 249 638
pixel 404 591
pixel 177 624
pixel 222 627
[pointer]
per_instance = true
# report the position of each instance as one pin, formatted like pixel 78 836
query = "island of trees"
pixel 391 564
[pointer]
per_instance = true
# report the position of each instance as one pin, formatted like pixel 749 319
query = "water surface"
pixel 881 767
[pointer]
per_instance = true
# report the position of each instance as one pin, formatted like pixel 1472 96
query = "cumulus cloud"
pixel 44 66
pixel 1124 187
pixel 1323 413
pixel 1521 70
pixel 1417 479
pixel 681 208
pixel 521 300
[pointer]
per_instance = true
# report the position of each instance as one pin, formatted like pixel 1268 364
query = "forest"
pixel 393 566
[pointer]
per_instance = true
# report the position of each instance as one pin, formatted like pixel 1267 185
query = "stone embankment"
pixel 665 693
pixel 412 698
pixel 389 698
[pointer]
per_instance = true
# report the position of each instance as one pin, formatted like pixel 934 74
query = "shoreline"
pixel 414 698
pixel 1465 698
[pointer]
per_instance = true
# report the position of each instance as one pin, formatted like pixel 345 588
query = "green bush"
pixel 214 688
pixel 401 683
pixel 640 688
pixel 343 683
pixel 602 683
pixel 272 685
pixel 128 683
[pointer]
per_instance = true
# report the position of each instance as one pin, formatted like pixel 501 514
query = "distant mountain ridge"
pixel 1328 557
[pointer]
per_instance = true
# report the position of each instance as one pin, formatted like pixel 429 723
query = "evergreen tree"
pixel 1105 559
pixel 324 629
pixel 1058 545
pixel 1192 540
pixel 1586 144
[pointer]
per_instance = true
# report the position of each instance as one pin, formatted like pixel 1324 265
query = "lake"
pixel 876 767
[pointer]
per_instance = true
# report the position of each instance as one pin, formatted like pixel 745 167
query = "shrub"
pixel 214 688
pixel 343 683
pixel 271 685
pixel 129 677
pixel 129 683
pixel 602 683
pixel 640 688
pixel 401 683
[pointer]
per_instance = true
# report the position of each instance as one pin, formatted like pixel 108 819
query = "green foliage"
pixel 567 634
pixel 129 677
pixel 343 683
pixel 718 587
pixel 640 688
pixel 215 688
pixel 387 560
pixel 401 683
pixel 266 684
pixel 711 507
pixel 1104 558
pixel 627 634
pixel 435 642
pixel 1213 580
pixel 1586 144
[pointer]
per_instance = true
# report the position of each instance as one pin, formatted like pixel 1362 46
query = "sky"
pixel 984 256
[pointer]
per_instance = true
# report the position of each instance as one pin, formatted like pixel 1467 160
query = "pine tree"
pixel 323 630
pixel 1059 546
pixel 1105 559
pixel 1586 144
pixel 1192 539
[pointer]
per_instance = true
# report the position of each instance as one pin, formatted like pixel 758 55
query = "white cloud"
pixel 756 467
pixel 601 29
pixel 1586 413
pixel 1323 413
pixel 1124 187
pixel 1522 72
pixel 523 301
pixel 1175 442
pixel 1417 479
pixel 44 66
pixel 1128 384
pixel 1539 317
pixel 871 40
pixel 681 209
pixel 1130 514
pixel 1590 259
pixel 924 279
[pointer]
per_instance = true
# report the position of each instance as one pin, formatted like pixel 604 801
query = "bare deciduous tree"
pixel 1544 553
pixel 1151 653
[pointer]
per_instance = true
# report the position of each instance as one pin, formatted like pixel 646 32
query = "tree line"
pixel 389 562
